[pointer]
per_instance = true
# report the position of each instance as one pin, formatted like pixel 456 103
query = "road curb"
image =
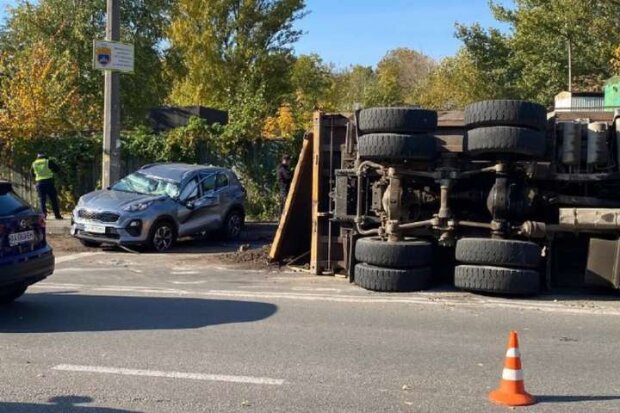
pixel 254 231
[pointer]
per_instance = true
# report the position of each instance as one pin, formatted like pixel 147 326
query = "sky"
pixel 348 32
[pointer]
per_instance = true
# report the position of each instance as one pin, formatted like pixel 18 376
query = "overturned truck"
pixel 508 200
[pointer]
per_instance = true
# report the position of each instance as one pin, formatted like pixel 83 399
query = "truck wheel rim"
pixel 163 238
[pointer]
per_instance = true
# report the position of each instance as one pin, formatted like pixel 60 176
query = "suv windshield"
pixel 141 183
pixel 11 204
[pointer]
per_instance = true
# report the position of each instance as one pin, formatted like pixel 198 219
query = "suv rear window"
pixel 10 203
pixel 221 182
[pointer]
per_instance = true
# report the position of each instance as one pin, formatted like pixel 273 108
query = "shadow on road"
pixel 54 313
pixel 60 404
pixel 570 398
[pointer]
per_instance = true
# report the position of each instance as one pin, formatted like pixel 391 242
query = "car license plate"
pixel 21 238
pixel 94 229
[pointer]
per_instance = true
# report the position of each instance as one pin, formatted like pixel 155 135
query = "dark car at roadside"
pixel 25 255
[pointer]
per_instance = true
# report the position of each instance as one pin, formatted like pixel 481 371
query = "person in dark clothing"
pixel 285 176
pixel 43 170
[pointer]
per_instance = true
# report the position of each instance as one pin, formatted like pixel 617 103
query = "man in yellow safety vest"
pixel 43 170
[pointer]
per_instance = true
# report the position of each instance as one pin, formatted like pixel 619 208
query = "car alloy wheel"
pixel 234 226
pixel 163 238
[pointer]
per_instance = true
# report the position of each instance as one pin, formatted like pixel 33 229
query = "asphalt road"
pixel 117 332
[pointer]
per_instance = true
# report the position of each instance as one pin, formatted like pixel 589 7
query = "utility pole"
pixel 570 66
pixel 112 104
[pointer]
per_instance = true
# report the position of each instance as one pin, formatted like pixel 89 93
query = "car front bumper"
pixel 118 233
pixel 27 269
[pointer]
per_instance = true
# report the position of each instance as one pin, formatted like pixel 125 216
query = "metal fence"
pixel 88 178
pixel 258 163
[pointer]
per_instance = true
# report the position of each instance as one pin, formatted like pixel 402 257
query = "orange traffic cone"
pixel 511 389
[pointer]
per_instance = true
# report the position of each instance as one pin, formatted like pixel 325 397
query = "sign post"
pixel 112 57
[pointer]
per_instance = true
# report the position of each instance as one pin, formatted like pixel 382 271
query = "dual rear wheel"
pixel 397 134
pixel 498 266
pixel 398 266
pixel 493 266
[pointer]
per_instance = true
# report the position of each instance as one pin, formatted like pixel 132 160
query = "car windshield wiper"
pixel 129 191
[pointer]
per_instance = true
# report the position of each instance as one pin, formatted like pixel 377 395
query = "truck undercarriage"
pixel 528 202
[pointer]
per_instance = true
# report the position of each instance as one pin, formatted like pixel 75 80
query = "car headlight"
pixel 137 207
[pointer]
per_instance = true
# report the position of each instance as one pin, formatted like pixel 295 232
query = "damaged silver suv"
pixel 159 203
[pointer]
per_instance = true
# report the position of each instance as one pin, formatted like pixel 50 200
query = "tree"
pixel 615 61
pixel 310 79
pixel 454 83
pixel 224 49
pixel 532 59
pixel 38 94
pixel 282 125
pixel 67 29
pixel 353 88
pixel 400 74
pixel 490 52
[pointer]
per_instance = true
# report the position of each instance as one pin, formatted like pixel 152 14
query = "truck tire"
pixel 500 252
pixel 497 280
pixel 395 147
pixel 396 120
pixel 497 141
pixel 506 113
pixel 392 279
pixel 400 254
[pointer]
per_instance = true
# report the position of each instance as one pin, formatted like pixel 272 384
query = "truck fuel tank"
pixel 598 148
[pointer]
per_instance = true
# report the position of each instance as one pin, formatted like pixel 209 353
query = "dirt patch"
pixel 66 243
pixel 257 258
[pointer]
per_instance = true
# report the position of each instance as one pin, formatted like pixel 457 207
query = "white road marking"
pixel 333 290
pixel 46 285
pixel 184 272
pixel 73 257
pixel 189 282
pixel 82 270
pixel 170 374
pixel 445 299
pixel 233 269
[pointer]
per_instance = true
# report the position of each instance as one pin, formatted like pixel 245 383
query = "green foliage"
pixel 397 80
pixel 225 48
pixel 77 156
pixel 454 83
pixel 39 97
pixel 197 142
pixel 354 87
pixel 67 29
pixel 400 74
pixel 531 61
pixel 310 79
